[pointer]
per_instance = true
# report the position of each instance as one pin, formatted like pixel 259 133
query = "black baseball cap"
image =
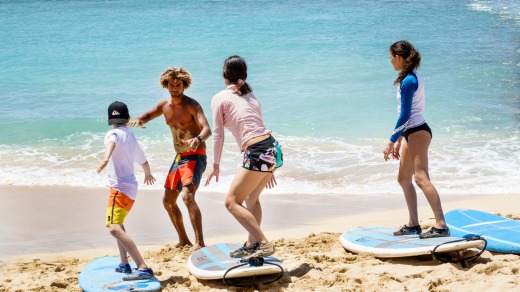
pixel 118 113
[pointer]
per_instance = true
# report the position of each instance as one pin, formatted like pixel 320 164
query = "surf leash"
pixel 253 262
pixel 445 257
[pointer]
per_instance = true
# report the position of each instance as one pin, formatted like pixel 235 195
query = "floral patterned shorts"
pixel 265 155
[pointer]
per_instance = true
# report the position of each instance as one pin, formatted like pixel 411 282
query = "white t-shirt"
pixel 120 166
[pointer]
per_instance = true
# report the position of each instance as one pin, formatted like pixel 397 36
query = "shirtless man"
pixel 190 129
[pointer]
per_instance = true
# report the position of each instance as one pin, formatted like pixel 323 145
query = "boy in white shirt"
pixel 121 152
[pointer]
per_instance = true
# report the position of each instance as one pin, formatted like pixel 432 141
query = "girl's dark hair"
pixel 235 70
pixel 412 58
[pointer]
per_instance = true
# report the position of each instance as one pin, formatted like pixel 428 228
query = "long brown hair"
pixel 412 58
pixel 235 70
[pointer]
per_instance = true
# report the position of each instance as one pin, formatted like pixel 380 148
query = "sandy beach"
pixel 47 250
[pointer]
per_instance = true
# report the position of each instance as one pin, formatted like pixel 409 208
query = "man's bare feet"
pixel 196 247
pixel 183 244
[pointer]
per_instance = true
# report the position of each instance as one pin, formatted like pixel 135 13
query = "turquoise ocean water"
pixel 320 68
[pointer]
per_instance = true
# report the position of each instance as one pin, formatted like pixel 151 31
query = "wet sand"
pixel 50 234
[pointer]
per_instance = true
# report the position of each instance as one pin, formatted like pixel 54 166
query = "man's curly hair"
pixel 175 73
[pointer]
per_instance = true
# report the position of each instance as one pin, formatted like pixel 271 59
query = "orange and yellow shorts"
pixel 119 205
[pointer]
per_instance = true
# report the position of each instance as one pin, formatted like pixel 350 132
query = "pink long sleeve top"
pixel 242 115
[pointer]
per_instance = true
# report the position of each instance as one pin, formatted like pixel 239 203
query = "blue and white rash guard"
pixel 410 104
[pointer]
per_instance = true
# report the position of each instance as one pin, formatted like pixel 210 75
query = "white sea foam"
pixel 479 6
pixel 311 166
pixel 506 9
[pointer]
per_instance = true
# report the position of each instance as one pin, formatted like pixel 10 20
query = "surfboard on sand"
pixel 502 234
pixel 212 262
pixel 99 275
pixel 381 242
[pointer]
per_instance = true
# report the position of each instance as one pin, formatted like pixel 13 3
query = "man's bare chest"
pixel 178 117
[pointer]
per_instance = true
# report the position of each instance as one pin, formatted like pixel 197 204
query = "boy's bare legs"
pixel 124 241
pixel 170 204
pixel 123 254
pixel 188 196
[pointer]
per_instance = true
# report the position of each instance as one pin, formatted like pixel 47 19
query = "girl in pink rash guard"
pixel 238 110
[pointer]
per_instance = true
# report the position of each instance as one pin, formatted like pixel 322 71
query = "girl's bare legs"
pixel 418 144
pixel 247 186
pixel 404 178
pixel 253 203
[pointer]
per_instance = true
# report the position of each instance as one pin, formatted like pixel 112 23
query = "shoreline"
pixel 70 218
pixel 283 214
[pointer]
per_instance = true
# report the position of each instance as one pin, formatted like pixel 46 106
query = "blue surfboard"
pixel 381 242
pixel 99 275
pixel 502 234
pixel 212 262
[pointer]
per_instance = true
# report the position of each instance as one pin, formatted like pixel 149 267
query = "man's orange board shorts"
pixel 186 169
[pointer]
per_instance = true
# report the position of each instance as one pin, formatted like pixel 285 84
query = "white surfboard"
pixel 381 242
pixel 212 262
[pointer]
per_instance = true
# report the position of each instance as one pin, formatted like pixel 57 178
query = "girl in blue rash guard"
pixel 417 135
